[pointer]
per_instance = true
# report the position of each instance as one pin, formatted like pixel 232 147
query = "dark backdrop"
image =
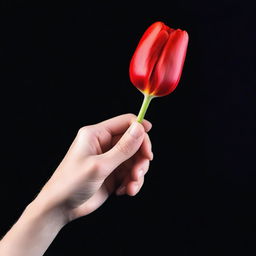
pixel 65 67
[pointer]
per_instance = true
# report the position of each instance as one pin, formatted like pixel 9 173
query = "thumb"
pixel 125 148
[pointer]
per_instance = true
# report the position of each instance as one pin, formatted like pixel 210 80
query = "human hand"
pixel 111 156
pixel 108 157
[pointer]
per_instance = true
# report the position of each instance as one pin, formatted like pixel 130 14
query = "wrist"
pixel 43 209
pixel 34 231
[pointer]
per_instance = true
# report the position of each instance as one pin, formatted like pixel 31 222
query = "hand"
pixel 112 156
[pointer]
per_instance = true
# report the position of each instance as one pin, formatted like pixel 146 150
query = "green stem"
pixel 144 107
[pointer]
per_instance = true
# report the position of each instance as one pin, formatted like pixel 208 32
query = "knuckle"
pixel 123 148
pixel 84 131
pixel 149 141
pixel 146 168
pixel 96 167
pixel 131 116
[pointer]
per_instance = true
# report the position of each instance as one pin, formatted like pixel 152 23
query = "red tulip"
pixel 157 63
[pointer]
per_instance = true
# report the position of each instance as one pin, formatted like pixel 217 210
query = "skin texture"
pixel 110 157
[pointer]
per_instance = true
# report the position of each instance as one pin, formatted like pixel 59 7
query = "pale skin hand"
pixel 110 157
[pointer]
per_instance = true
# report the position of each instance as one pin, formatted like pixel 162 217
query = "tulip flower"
pixel 157 63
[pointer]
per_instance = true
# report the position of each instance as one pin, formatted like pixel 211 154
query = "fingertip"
pixel 147 125
pixel 132 189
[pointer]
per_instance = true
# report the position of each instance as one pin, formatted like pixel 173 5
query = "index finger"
pixel 119 124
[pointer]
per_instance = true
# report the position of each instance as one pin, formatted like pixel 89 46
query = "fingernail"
pixel 151 156
pixel 135 130
pixel 121 190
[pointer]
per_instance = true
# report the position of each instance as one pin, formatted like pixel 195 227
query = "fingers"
pixel 134 180
pixel 125 148
pixel 118 125
pixel 132 183
pixel 132 188
pixel 146 148
pixel 139 169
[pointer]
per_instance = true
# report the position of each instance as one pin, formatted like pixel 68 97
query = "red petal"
pixel 147 54
pixel 167 72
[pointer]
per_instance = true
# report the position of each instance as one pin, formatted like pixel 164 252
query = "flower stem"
pixel 144 107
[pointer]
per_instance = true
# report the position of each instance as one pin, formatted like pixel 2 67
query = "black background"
pixel 66 66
